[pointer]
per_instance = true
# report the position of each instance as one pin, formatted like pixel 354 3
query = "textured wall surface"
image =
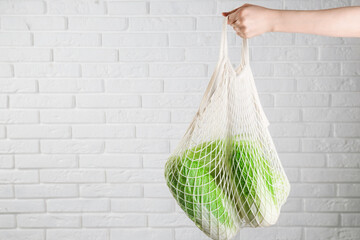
pixel 94 95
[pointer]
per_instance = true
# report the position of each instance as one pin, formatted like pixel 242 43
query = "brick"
pixel 4 101
pixel 76 234
pixel 6 191
pixel 77 7
pixel 28 234
pixel 331 114
pixel 15 39
pixel 98 24
pixel 171 101
pixel 347 130
pixel 278 233
pixel 287 144
pixel 332 205
pixel 283 53
pixel 163 131
pixel 339 53
pixel 41 101
pixel 108 101
pixel 21 206
pixel 333 4
pixel 17 85
pixel 330 145
pixel 72 116
pixel 140 234
pixel 135 176
pixel 330 175
pixel 270 39
pixel 350 220
pixel 167 24
pixel 308 219
pixel 350 69
pixel 275 85
pixel 19 146
pixel 29 191
pixel 137 146
pixel 33 23
pixel 185 85
pixel 282 114
pixel 154 160
pixel 151 54
pixel 6 161
pixel 182 8
pixel 114 220
pixel 345 100
pixel 70 85
pixel 31 131
pixel 85 55
pixel 170 220
pixel 186 233
pixel 110 161
pixel 127 8
pixel 303 160
pixel 72 146
pixel 111 190
pixel 312 190
pixel 133 86
pixel 349 190
pixel 118 70
pixel 134 40
pixel 22 7
pixel 299 130
pixel 156 191
pixel 45 161
pixel 18 116
pixel 182 115
pixel 107 131
pixel 328 84
pixel 25 55
pixel 77 205
pixel 303 100
pixel 306 69
pixel 7 221
pixel 66 39
pixel 71 176
pixel 332 233
pixel 143 205
pixel 313 40
pixel 6 70
pixel 47 221
pixel 137 116
pixel 47 70
pixel 198 39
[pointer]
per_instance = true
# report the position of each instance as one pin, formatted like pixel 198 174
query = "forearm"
pixel 337 22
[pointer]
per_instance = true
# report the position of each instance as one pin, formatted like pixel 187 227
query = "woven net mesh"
pixel 225 172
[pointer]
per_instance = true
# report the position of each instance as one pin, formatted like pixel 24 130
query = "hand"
pixel 252 20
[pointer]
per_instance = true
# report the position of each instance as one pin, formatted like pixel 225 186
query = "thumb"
pixel 225 14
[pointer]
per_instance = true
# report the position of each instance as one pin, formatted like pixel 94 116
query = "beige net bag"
pixel 225 172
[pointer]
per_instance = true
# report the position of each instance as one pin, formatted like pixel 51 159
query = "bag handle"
pixel 224 45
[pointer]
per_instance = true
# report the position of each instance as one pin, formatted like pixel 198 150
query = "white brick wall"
pixel 95 94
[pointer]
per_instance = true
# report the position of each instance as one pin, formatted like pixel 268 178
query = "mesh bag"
pixel 225 172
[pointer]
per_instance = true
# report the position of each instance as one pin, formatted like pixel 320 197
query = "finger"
pixel 232 19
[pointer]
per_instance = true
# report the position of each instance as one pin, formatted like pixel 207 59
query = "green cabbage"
pixel 223 184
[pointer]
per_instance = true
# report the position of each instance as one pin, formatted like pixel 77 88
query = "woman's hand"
pixel 252 20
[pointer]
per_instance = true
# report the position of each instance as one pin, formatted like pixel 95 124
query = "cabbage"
pixel 220 189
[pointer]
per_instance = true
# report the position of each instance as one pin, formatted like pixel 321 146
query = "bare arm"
pixel 251 20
